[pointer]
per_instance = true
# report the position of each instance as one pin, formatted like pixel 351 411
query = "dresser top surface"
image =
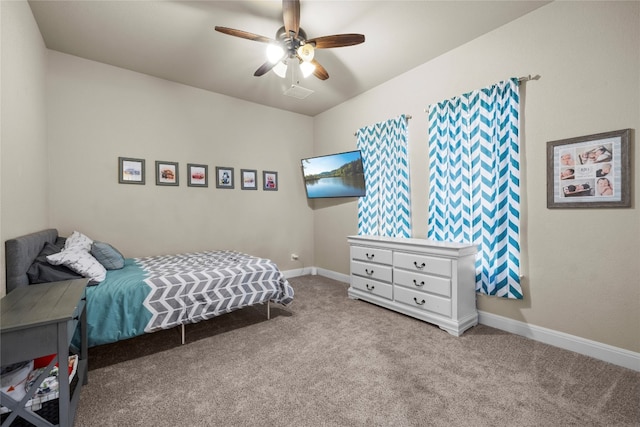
pixel 414 242
pixel 41 304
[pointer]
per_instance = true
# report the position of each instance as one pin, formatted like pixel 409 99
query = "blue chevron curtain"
pixel 386 208
pixel 474 181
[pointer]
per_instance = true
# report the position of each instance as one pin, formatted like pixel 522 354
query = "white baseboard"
pixel 335 276
pixel 617 356
pixel 299 272
pixel 316 271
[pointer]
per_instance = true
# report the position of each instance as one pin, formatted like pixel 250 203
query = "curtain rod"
pixel 407 116
pixel 520 79
pixel 529 77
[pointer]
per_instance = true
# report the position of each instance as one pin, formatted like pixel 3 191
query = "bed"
pixel 144 295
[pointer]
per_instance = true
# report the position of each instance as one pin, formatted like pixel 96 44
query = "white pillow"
pixel 78 239
pixel 80 261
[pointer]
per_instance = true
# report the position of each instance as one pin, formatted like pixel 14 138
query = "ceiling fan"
pixel 292 46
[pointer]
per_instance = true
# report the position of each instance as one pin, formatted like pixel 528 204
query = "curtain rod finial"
pixel 529 77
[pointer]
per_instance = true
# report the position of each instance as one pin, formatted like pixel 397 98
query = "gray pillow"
pixel 43 272
pixel 107 255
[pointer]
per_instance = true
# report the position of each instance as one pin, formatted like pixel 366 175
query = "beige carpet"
pixel 332 361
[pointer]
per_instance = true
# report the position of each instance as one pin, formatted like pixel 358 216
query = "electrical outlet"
pixel 294 257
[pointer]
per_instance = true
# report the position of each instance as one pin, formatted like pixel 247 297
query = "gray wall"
pixel 581 270
pixel 24 199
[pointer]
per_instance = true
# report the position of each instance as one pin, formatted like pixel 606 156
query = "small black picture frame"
pixel 130 170
pixel 198 175
pixel 270 181
pixel 167 173
pixel 224 177
pixel 248 179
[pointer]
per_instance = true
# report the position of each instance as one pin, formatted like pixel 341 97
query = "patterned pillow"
pixel 78 239
pixel 80 261
pixel 107 255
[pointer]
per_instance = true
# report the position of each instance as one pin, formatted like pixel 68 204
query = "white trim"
pixel 317 271
pixel 299 272
pixel 345 278
pixel 334 275
pixel 607 353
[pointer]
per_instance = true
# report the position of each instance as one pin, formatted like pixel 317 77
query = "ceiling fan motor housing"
pixel 290 43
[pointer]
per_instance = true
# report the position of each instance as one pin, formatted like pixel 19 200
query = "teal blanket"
pixel 115 307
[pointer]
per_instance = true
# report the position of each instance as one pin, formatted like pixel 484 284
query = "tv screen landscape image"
pixel 334 175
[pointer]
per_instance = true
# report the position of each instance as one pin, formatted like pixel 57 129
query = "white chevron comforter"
pixel 160 292
pixel 191 287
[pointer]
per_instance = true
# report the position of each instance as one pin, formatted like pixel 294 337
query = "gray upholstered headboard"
pixel 20 254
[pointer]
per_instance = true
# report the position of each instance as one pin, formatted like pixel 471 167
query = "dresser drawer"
pixel 422 263
pixel 371 271
pixel 423 301
pixel 423 282
pixel 374 287
pixel 380 256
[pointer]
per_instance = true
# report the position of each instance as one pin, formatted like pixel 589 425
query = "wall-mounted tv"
pixel 334 175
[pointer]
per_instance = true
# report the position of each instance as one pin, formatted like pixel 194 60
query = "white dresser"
pixel 429 280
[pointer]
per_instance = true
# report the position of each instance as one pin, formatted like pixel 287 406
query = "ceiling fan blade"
pixel 319 71
pixel 291 16
pixel 244 34
pixel 264 69
pixel 338 40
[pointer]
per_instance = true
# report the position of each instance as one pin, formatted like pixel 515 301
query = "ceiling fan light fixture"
pixel 280 69
pixel 307 68
pixel 306 52
pixel 274 52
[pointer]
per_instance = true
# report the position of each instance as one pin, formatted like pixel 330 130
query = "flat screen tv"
pixel 334 175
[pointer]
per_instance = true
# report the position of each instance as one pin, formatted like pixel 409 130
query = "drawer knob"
pixel 419 267
pixel 419 302
pixel 366 270
pixel 370 256
pixel 418 284
pixel 370 287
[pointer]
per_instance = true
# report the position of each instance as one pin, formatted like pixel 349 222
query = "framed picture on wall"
pixel 166 173
pixel 249 179
pixel 224 177
pixel 270 181
pixel 592 171
pixel 197 175
pixel 130 171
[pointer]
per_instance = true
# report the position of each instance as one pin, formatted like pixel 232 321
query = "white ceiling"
pixel 175 40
